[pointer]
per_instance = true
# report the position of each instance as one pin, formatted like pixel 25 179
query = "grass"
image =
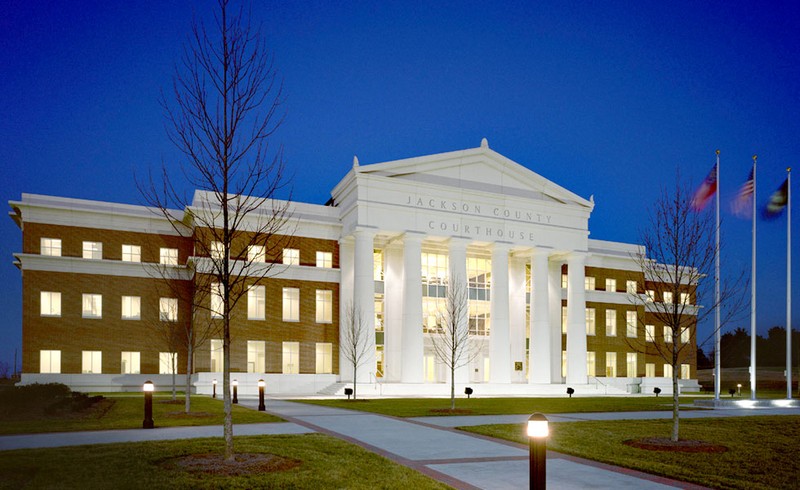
pixel 325 463
pixel 762 449
pixel 423 407
pixel 127 412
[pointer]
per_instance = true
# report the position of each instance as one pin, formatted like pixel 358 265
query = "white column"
pixel 458 272
pixel 364 299
pixel 576 319
pixel 345 299
pixel 413 348
pixel 516 316
pixel 539 362
pixel 556 338
pixel 499 348
pixel 393 312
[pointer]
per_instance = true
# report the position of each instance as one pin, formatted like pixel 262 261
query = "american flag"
pixel 743 205
pixel 706 191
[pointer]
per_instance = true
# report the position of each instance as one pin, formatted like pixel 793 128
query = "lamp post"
pixel 261 406
pixel 739 389
pixel 235 384
pixel 537 435
pixel 214 388
pixel 148 404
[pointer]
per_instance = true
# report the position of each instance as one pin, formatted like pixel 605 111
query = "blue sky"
pixel 604 98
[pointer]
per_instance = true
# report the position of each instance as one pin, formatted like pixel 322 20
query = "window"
pixel 92 250
pixel 216 355
pixel 291 358
pixel 52 247
pixel 324 306
pixel 611 364
pixel 217 250
pixel 564 281
pixel 590 321
pixel 256 356
pixel 291 256
pixel 611 323
pixel 167 363
pixel 686 371
pixel 668 297
pixel 650 333
pixel 168 309
pixel 92 362
pixel 325 259
pixel 630 287
pixel 651 295
pixel 479 279
pixel 480 320
pixel 131 308
pixel 668 335
pixel 50 361
pixel 611 285
pixel 168 256
pixel 377 265
pixel 563 319
pixel 92 305
pixel 667 370
pixel 217 308
pixel 324 358
pixel 686 299
pixel 650 370
pixel 131 253
pixel 255 253
pixel 50 303
pixel 589 283
pixel 256 303
pixel 630 323
pixel 130 363
pixel 563 363
pixel 632 364
pixel 686 334
pixel 291 305
pixel 591 364
pixel 434 273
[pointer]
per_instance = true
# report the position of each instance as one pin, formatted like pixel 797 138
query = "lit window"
pixel 630 323
pixel 92 306
pixel 563 319
pixel 479 280
pixel 291 256
pixel 324 306
pixel 167 363
pixel 685 335
pixel 168 256
pixel 217 250
pixel 564 363
pixel 564 281
pixel 632 364
pixel 668 335
pixel 480 320
pixel 131 253
pixel 50 303
pixel 217 307
pixel 51 246
pixel 255 253
pixel 667 370
pixel 589 283
pixel 256 356
pixel 49 361
pixel 130 363
pixel 257 303
pixel 131 308
pixel 434 271
pixel 686 299
pixel 686 371
pixel 217 355
pixel 611 323
pixel 291 358
pixel 291 304
pixel 590 321
pixel 650 370
pixel 92 250
pixel 611 285
pixel 611 364
pixel 92 362
pixel 168 309
pixel 668 297
pixel 591 363
pixel 650 333
pixel 325 259
pixel 630 287
pixel 377 265
pixel 651 295
pixel 324 358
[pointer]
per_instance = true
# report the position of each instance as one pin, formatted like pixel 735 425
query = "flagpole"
pixel 717 336
pixel 789 283
pixel 753 295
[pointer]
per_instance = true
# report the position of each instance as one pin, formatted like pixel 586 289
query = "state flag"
pixel 777 201
pixel 706 190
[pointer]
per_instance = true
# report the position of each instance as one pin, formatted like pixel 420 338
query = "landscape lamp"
pixel 537 436
pixel 214 388
pixel 148 388
pixel 261 385
pixel 235 391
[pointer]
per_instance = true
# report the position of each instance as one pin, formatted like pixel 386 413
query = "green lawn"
pixel 325 463
pixel 422 407
pixel 126 411
pixel 762 450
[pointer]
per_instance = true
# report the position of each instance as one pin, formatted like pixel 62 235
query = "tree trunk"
pixel 187 396
pixel 452 387
pixel 355 371
pixel 675 405
pixel 226 388
pixel 174 366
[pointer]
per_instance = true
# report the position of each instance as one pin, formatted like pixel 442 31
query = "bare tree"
pixel 676 254
pixel 224 112
pixel 354 335
pixel 451 339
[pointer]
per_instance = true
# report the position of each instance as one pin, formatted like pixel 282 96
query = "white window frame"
pixel 290 358
pixel 611 285
pixel 611 364
pixel 631 287
pixel 256 356
pixel 650 370
pixel 216 355
pixel 631 324
pixel 324 309
pixel 589 283
pixel 591 363
pixel 667 296
pixel 168 309
pixel 591 321
pixel 50 361
pixel 649 333
pixel 216 306
pixel 611 323
pixel 50 303
pixel 93 250
pixel 131 253
pixel 291 256
pixel 686 299
pixel 291 304
pixel 324 358
pixel 131 308
pixel 130 362
pixel 686 335
pixel 564 281
pixel 631 364
pixel 563 319
pixel 668 371
pixel 91 362
pixel 256 253
pixel 686 371
pixel 168 256
pixel 50 247
pixel 92 305
pixel 651 295
pixel 324 259
pixel 667 334
pixel 165 364
pixel 257 302
pixel 216 250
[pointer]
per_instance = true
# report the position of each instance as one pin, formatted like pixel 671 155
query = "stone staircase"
pixel 332 390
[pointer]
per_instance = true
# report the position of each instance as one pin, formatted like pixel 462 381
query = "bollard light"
pixel 538 431
pixel 235 391
pixel 739 389
pixel 214 388
pixel 148 388
pixel 261 385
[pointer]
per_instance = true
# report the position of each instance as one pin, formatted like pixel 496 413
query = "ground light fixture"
pixel 214 388
pixel 261 385
pixel 739 389
pixel 235 384
pixel 538 431
pixel 148 388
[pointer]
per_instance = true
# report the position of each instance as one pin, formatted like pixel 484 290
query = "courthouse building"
pixel 548 306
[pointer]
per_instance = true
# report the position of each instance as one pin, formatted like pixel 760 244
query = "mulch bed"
pixel 455 411
pixel 244 464
pixel 683 445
